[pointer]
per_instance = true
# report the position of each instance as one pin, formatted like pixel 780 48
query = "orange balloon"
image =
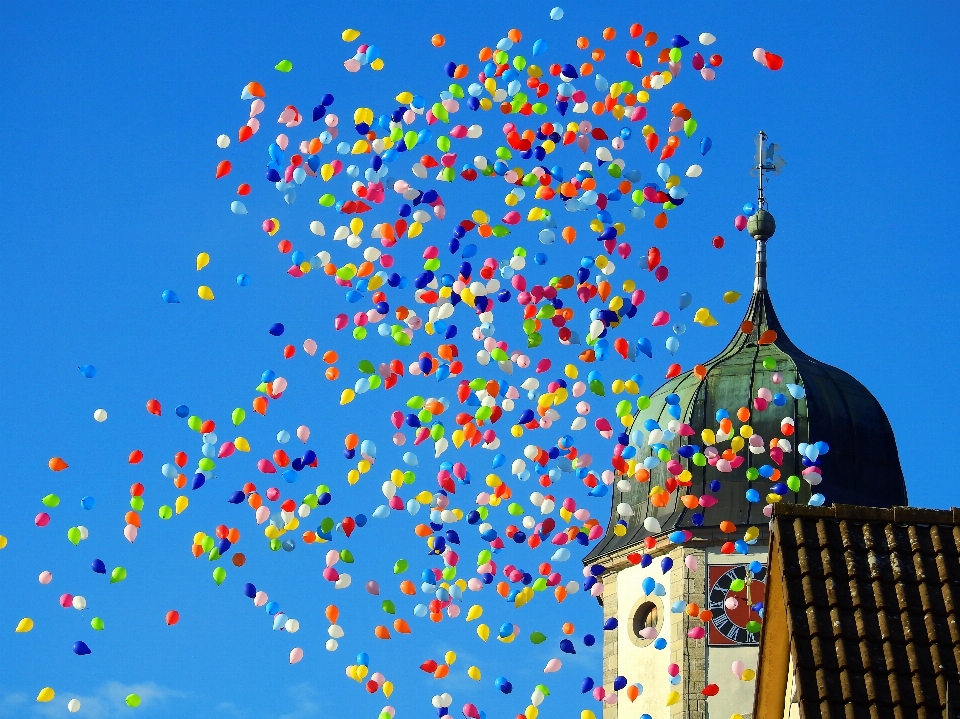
pixel 406 586
pixel 309 537
pixel 650 39
pixel 254 500
pixel 583 43
pixel 690 501
pixel 401 626
pixel 727 527
pixel 516 35
pixel 567 628
pixel 560 592
pixel 503 589
pixel 603 289
pixel 132 517
pixel 743 414
pixel 57 464
pixel 705 615
pixel 700 372
pixel 332 373
pixel 422 530
pixel 692 609
pixel 260 405
pixel 660 221
pixel 438 40
pixel 632 693
pixel 197 550
pixel 233 536
pixel 332 613
pixel 609 33
pixel 381 632
pixel 436 617
pixel 441 671
pixel 180 482
pixel 767 338
pixel 351 441
pixel 746 327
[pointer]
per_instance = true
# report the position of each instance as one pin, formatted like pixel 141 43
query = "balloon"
pixel 170 297
pixel 296 654
pixel 132 700
pixel 46 694
pixel 173 616
pixel 73 705
pixel 24 625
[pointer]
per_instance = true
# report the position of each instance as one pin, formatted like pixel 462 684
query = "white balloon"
pixel 223 142
pixel 73 705
pixel 101 416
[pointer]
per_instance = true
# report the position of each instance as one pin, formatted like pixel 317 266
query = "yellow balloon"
pixel 356 225
pixel 450 658
pixel 475 612
pixel 361 672
pixel 326 172
pixel 203 259
pixel 387 689
pixel 748 675
pixel 425 497
pixel 731 297
pixel 483 631
pixel 458 438
pixel 241 444
pixel 181 504
pixel 505 640
pixel 25 625
pixel 405 98
pixel 673 698
pixel 571 371
pixel 46 694
pixel 531 712
pixel 353 476
pixel 204 292
pixel 566 514
pixel 474 673
pixel 587 714
pixel 349 35
pixel 347 396
pixel 3 541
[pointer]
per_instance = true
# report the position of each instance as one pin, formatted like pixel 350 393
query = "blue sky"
pixel 109 125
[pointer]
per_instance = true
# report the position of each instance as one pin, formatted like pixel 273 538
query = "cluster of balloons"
pixel 436 296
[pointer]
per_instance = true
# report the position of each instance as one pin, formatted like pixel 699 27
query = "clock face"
pixel 729 626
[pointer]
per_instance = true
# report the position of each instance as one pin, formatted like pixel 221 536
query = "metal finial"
pixel 761 224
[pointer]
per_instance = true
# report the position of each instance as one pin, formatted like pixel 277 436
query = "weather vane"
pixel 767 160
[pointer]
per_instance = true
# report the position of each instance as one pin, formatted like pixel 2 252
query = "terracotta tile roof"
pixel 872 599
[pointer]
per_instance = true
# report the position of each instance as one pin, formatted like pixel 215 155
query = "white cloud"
pixel 109 700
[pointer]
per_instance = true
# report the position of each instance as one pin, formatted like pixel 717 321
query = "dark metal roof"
pixel 862 466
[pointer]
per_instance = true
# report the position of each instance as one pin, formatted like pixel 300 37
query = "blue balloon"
pixel 619 683
pixel 170 297
pixel 661 643
pixel 539 47
pixel 276 329
pixel 98 566
pixel 589 640
pixel 182 411
pixel 363 659
pixel 705 145
pixel 586 685
pixel 666 564
pixel 506 629
pixel 566 646
pixel 243 280
pixel 80 648
pixel 88 371
pixel 648 585
pixel 249 590
pixel 87 502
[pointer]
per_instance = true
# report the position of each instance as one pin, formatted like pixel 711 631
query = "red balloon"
pixel 153 407
pixel 223 168
pixel 653 258
pixel 711 690
pixel 718 242
pixel 774 62
pixel 173 616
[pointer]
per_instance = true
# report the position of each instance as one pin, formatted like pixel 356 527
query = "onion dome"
pixel 761 422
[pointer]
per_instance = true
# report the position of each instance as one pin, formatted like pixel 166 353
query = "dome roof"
pixel 861 467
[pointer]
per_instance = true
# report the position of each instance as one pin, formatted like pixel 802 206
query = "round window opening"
pixel 647 614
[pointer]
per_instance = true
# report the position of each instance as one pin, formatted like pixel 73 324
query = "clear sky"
pixel 108 126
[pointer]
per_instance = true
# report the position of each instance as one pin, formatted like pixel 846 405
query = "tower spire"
pixel 761 224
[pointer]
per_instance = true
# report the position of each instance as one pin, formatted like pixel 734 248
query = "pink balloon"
pixel 340 321
pixel 760 55
pixel 46 577
pixel 553 666
pixel 303 433
pixel 737 668
pixel 691 562
pixel 66 601
pixel 263 514
pixel 130 532
pixel 296 654
pixel 260 599
pixel 740 222
pixel 470 711
pixel 226 449
pixel 660 319
pixel 282 141
pixel 310 347
pixel 543 366
pixel 673 669
pixel 333 556
pixel 256 107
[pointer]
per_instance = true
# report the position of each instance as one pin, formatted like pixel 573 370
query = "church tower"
pixel 760 423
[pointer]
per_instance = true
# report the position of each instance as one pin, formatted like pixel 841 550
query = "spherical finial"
pixel 761 225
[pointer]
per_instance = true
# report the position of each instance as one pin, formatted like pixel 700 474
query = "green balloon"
pixel 311 500
pixel 136 503
pixel 194 422
pixel 477 383
pixel 769 363
pixel 424 415
pixel 409 477
pixel 793 482
pixel 643 402
pixel 543 689
pixel 753 626
pixel 283 66
pixel 436 432
pixel 346 556
pixel 328 200
pixel 97 623
pixel 366 366
pixel 514 509
pixel 326 524
pixel 206 464
pixel 388 607
pixel 700 459
pixel 165 512
pixel 207 544
pixel 133 700
pixel 238 416
pixel 415 402
pixel 275 545
pixel 483 557
pixel 539 584
pixel 73 534
pixel 401 566
pixel 752 473
pixel 737 585
pixel 538 637
pixel 118 575
pixel 360 333
pixel 219 574
pixel 449 573
pixel 214 555
pixel 51 500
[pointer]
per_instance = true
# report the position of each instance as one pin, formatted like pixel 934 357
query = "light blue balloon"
pixel 381 512
pixel 556 13
pixel 410 459
pixel 170 297
pixel 648 585
pixel 238 208
pixel 243 280
pixel 539 47
pixel 87 502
